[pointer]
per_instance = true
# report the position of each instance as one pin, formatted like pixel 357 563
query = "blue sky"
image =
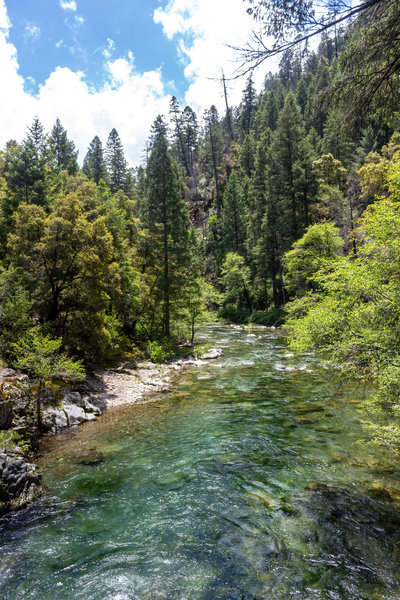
pixel 98 64
pixel 79 35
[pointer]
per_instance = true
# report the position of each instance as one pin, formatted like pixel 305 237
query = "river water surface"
pixel 249 481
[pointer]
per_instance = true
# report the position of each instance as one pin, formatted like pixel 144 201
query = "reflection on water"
pixel 247 482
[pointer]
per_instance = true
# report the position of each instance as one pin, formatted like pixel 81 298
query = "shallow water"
pixel 249 481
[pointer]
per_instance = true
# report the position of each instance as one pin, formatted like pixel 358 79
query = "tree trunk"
pixel 166 280
pixel 228 114
pixel 39 408
pixel 214 160
pixel 248 299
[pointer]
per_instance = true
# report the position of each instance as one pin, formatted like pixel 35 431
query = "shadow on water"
pixel 247 482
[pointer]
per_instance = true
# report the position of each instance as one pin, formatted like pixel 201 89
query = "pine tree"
pixel 36 139
pixel 268 252
pixel 284 153
pixel 190 136
pixel 213 148
pixel 177 121
pixel 233 217
pixel 65 155
pixel 301 95
pixel 94 165
pixel 305 181
pixel 115 161
pixel 248 105
pixel 167 223
pixel 270 110
pixel 28 177
pixel 258 193
pixel 247 155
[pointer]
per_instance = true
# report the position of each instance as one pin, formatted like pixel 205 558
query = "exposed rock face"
pixel 72 410
pixel 6 415
pixel 19 482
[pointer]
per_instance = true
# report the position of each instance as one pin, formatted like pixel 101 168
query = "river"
pixel 251 480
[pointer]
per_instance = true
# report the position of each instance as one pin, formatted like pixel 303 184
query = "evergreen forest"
pixel 284 209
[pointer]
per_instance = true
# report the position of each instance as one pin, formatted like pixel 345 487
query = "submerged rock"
pixel 90 458
pixel 379 492
pixel 212 353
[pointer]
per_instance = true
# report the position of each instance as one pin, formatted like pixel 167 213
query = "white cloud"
pixel 32 32
pixel 129 101
pixel 203 31
pixel 4 21
pixel 68 5
pixel 109 49
pixel 14 102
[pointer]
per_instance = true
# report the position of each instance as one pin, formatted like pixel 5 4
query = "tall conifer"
pixel 94 165
pixel 166 219
pixel 115 161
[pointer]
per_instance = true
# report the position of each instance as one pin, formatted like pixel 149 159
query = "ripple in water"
pixel 247 483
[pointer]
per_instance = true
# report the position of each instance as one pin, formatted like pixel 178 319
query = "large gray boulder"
pixel 72 410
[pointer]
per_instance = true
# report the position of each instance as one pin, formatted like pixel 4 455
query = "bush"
pixel 10 439
pixel 272 318
pixel 236 314
pixel 159 352
pixel 118 342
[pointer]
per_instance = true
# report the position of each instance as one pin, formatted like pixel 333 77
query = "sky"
pixel 97 64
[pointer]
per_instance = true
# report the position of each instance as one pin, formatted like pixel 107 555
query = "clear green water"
pixel 247 482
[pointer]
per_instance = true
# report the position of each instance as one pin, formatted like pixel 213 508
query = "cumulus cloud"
pixel 4 22
pixel 68 5
pixel 129 101
pixel 203 31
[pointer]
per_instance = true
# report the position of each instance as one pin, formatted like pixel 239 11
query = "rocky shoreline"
pixel 20 482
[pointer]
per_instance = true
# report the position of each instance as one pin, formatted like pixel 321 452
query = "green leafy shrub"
pixel 159 352
pixel 236 314
pixel 272 318
pixel 10 439
pixel 118 341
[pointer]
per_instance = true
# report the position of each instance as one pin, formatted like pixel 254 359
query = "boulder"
pixel 146 365
pixel 19 483
pixel 54 418
pixel 75 414
pixel 74 409
pixel 90 409
pixel 72 397
pixel 212 353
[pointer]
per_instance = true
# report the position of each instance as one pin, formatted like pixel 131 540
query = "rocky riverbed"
pixel 19 481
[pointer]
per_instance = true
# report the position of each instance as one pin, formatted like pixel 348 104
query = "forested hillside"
pixel 287 203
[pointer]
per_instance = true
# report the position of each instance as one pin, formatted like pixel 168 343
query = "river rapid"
pixel 251 480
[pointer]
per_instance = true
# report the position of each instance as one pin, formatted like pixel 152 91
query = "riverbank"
pixel 20 482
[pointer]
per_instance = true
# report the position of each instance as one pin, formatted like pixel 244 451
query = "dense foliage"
pixel 284 198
